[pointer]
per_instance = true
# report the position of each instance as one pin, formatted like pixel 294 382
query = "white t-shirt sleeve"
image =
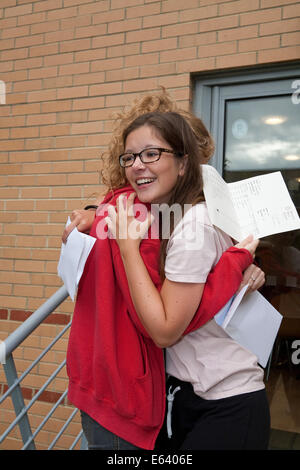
pixel 193 248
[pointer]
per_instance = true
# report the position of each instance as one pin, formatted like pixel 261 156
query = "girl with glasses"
pixel 140 294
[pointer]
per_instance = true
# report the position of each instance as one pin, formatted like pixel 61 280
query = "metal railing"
pixel 14 390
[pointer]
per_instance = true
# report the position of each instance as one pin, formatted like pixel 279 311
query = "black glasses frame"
pixel 139 154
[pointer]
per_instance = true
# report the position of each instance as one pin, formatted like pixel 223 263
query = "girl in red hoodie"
pixel 221 401
pixel 115 359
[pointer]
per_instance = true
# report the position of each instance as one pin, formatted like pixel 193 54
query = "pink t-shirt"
pixel 215 364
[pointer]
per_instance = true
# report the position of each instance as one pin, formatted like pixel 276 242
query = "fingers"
pixel 111 220
pixel 140 229
pixel 117 219
pixel 122 222
pixel 76 219
pixel 245 241
pixel 81 219
pixel 126 205
pixel 112 214
pixel 254 277
pixel 249 244
pixel 256 280
pixel 130 204
pixel 111 226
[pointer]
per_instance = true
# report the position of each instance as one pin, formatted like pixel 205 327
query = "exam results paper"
pixel 260 205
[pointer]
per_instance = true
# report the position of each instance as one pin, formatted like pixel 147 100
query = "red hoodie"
pixel 116 372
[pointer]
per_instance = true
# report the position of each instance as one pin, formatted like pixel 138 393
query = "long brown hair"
pixel 176 131
pixel 189 188
pixel 112 175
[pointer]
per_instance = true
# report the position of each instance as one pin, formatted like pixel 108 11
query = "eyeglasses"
pixel 149 155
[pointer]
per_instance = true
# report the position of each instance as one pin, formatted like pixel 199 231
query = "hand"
pixel 123 226
pixel 80 218
pixel 253 276
pixel 249 244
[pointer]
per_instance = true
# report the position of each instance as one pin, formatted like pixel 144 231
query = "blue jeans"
pixel 99 438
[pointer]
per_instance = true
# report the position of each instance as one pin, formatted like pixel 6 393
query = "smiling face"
pixel 152 182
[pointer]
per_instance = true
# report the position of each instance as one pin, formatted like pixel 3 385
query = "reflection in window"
pixel 262 135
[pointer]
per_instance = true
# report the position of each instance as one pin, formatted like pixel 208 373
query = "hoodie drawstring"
pixel 170 398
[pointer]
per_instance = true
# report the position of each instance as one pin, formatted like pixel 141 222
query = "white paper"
pixel 220 316
pixel 260 205
pixel 253 323
pixel 234 305
pixel 220 207
pixel 73 256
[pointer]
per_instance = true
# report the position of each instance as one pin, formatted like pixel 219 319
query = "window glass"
pixel 254 118
pixel 263 135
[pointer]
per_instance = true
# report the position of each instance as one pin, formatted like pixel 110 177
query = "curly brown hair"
pixel 112 175
pixel 189 190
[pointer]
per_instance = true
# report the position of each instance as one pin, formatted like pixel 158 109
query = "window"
pixel 254 118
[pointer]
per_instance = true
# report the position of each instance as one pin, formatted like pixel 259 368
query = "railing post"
pixel 35 319
pixel 84 443
pixel 17 399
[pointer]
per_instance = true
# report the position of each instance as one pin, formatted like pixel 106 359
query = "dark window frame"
pixel 210 92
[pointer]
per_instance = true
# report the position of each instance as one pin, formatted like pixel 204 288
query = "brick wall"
pixel 67 66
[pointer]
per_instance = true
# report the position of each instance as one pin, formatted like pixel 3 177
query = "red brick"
pixel 126 25
pixel 32 18
pixel 143 10
pixel 171 5
pixel 292 11
pixel 3 314
pixel 18 11
pixel 282 26
pixel 290 39
pixel 48 5
pixel 198 13
pixel 282 54
pixel 270 42
pixel 108 17
pixel 238 7
pixel 43 50
pixel 263 16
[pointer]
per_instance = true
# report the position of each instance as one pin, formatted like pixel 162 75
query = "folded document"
pixel 252 322
pixel 260 205
pixel 73 256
